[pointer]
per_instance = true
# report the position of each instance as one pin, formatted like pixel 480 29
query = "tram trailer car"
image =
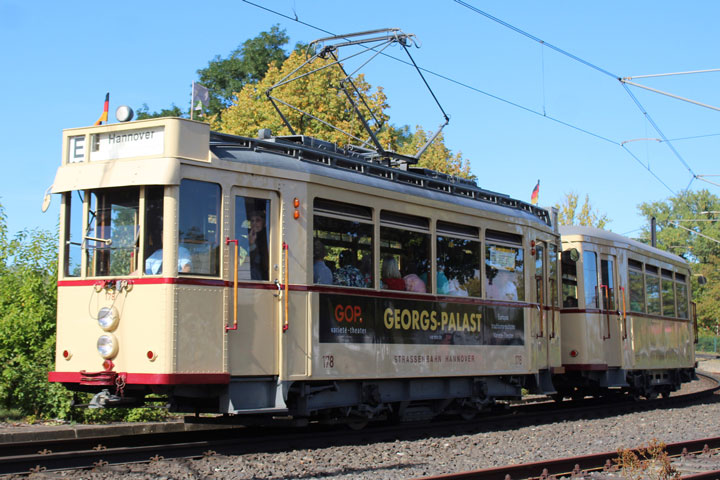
pixel 285 276
pixel 627 319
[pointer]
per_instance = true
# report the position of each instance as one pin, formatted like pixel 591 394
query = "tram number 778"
pixel 328 361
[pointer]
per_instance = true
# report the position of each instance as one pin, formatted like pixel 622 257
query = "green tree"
pixel 438 156
pixel 688 224
pixel 145 113
pixel 319 94
pixel 225 76
pixel 587 216
pixel 28 292
pixel 248 63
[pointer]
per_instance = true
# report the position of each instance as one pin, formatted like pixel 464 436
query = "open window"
pixel 504 266
pixel 405 252
pixel 458 260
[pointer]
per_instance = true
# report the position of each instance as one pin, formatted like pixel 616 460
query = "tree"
pixel 225 76
pixel 438 156
pixel 246 64
pixel 318 93
pixel 28 291
pixel 688 224
pixel 174 111
pixel 568 214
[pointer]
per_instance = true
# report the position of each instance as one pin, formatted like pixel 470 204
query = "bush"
pixel 707 344
pixel 28 303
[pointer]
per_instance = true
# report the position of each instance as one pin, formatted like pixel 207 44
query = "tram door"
pixel 253 308
pixel 610 326
pixel 553 300
pixel 540 327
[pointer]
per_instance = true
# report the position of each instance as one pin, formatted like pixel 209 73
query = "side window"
pixel 569 278
pixel 504 266
pixel 637 286
pixel 668 294
pixel 652 289
pixel 199 228
pixel 112 243
pixel 458 260
pixel 73 233
pixel 682 295
pixel 590 279
pixel 154 199
pixel 342 244
pixel 252 229
pixel 405 252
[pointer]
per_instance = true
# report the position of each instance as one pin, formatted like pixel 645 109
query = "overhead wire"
pixel 522 107
pixel 454 81
pixel 594 67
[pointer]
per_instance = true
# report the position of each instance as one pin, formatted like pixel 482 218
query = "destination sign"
pixel 127 143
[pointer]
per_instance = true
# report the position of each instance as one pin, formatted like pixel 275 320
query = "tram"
pixel 627 317
pixel 287 276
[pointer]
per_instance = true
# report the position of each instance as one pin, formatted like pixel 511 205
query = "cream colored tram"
pixel 287 276
pixel 627 319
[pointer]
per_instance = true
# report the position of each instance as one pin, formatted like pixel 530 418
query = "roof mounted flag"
pixel 104 116
pixel 535 193
pixel 200 98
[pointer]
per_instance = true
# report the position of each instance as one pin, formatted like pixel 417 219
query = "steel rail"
pixel 574 466
pixel 92 452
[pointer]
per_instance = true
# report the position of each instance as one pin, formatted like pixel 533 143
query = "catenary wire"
pixel 588 64
pixel 516 105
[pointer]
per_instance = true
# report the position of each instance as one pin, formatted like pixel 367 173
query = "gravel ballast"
pixel 436 456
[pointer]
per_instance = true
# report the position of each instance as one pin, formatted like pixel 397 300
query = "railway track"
pixel 98 452
pixel 693 460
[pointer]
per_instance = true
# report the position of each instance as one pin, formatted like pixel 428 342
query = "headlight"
pixel 108 318
pixel 107 346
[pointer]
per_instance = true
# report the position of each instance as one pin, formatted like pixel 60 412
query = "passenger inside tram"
pixel 153 264
pixel 391 278
pixel 413 283
pixel 257 240
pixel 348 274
pixel 321 272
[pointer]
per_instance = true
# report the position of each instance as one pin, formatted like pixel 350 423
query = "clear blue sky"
pixel 60 58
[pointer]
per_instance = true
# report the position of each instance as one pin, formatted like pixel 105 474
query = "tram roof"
pixel 364 166
pixel 611 237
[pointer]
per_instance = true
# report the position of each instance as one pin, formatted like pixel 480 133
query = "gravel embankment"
pixel 435 456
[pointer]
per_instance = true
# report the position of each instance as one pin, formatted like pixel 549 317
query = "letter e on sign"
pixel 76 149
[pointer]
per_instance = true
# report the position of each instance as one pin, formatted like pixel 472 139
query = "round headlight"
pixel 107 346
pixel 108 318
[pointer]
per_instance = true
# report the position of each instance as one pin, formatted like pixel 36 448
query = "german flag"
pixel 104 116
pixel 535 193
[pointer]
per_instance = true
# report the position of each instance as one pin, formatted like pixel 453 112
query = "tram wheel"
pixel 357 424
pixel 468 413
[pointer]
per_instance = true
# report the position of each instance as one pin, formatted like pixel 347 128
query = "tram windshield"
pixel 103 230
pixel 111 241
